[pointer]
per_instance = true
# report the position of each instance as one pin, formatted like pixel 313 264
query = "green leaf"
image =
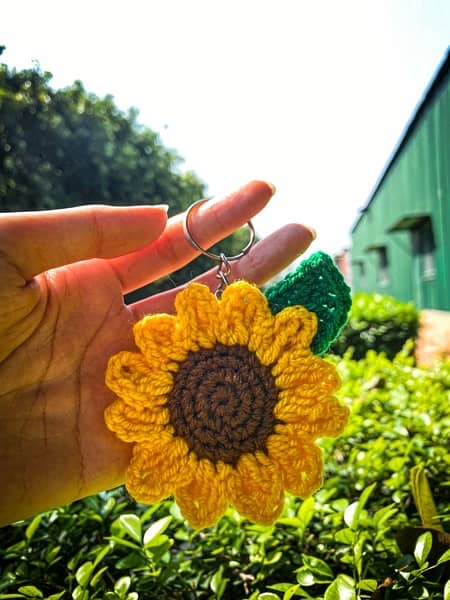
pixel 132 526
pixel 290 522
pixel 96 578
pixel 31 591
pixel 32 527
pixel 122 585
pixel 280 587
pixel 368 585
pixel 340 504
pixel 273 557
pixel 423 498
pixel 346 536
pixel 156 529
pixel 305 577
pixel 18 548
pixel 322 572
pixel 268 596
pixel 289 590
pixel 132 561
pixel 423 547
pixel 100 555
pixel 218 583
pixel 216 579
pixel 306 512
pixel 158 547
pixel 444 557
pixel 383 514
pixel 73 562
pixel 295 590
pixel 52 553
pixel 120 542
pixel 330 301
pixel 149 512
pixel 447 590
pixel 56 596
pixel 110 503
pixel 342 588
pixel 84 573
pixel 353 511
pixel 80 593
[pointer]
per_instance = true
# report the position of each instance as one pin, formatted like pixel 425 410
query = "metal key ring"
pixel 217 257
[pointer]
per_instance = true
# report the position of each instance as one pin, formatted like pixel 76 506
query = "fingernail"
pixel 272 187
pixel 163 206
pixel 312 231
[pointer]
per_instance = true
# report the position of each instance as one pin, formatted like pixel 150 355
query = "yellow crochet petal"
pixel 298 458
pixel 255 488
pixel 197 313
pixel 130 377
pixel 157 337
pixel 320 416
pixel 292 328
pixel 243 311
pixel 305 372
pixel 203 500
pixel 296 325
pixel 135 423
pixel 158 467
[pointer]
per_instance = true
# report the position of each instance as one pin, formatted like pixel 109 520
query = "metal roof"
pixel 441 75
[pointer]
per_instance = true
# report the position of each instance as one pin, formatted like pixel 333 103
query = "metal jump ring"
pixel 217 257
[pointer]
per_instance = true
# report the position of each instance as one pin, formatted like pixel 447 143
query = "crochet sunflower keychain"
pixel 224 400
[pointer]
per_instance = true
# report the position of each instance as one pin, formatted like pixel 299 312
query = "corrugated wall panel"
pixel 416 184
pixel 442 117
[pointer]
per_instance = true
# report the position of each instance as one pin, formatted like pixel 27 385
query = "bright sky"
pixel 311 95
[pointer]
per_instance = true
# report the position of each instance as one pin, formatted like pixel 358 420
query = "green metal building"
pixel 401 240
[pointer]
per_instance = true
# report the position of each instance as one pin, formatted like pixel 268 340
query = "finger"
pixel 210 223
pixel 267 258
pixel 37 241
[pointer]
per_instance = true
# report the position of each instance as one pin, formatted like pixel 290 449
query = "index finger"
pixel 212 222
pixel 267 258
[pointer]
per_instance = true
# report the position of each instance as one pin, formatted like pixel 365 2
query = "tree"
pixel 61 148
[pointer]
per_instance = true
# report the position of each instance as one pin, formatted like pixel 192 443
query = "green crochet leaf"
pixel 318 285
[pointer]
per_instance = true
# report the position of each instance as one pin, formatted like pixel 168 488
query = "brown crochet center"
pixel 222 403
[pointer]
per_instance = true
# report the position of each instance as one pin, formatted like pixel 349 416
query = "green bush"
pixel 338 545
pixel 379 323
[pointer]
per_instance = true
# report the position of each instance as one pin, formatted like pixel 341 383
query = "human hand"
pixel 63 275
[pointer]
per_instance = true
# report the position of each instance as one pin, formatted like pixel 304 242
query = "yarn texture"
pixel 319 286
pixel 224 403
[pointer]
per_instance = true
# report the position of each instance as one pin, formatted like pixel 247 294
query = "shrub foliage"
pixel 377 322
pixel 340 544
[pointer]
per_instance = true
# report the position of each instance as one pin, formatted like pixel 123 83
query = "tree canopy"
pixel 67 147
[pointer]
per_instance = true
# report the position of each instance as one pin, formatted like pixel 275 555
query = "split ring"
pixel 217 257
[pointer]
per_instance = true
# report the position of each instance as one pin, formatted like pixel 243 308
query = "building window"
pixel 382 263
pixel 383 266
pixel 360 269
pixel 423 246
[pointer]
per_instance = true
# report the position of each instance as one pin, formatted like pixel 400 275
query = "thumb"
pixel 34 242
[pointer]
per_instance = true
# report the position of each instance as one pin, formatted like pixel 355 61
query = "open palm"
pixel 63 275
